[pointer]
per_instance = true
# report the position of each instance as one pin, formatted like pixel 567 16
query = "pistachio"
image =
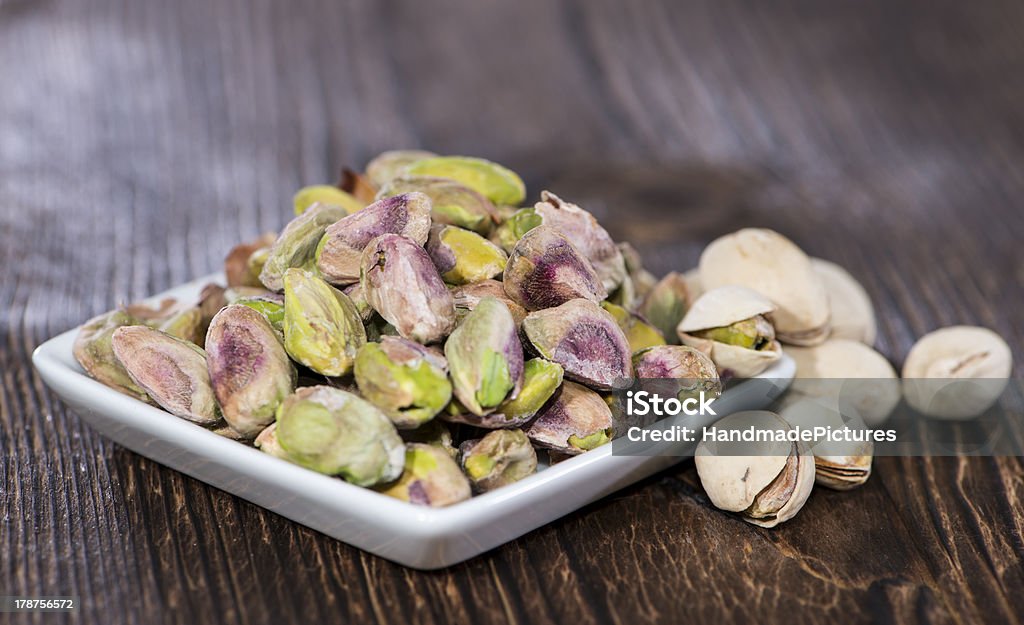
pixel 334 432
pixel 249 369
pixel 296 247
pixel 389 165
pixel 322 328
pixel 328 196
pixel 267 442
pixel 462 256
pixel 694 287
pixel 358 296
pixel 339 253
pixel 639 333
pixel 496 183
pixel 665 304
pixel 640 280
pixel 730 324
pixel 434 433
pixel 500 458
pixel 171 371
pixel 840 464
pixel 546 270
pixel 406 380
pixel 270 305
pixel 541 380
pixel 515 227
pixel 853 315
pixel 589 237
pixel 467 296
pixel 237 268
pixel 773 265
pixel 93 350
pixel 957 372
pixel 451 203
pixel 403 286
pixel 767 482
pixel 583 338
pixel 485 357
pixel 576 420
pixel 430 478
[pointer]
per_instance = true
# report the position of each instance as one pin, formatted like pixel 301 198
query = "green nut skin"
pixel 496 183
pixel 755 333
pixel 452 203
pixel 576 420
pixel 500 458
pixel 328 196
pixel 322 328
pixel 434 433
pixel 407 381
pixel 639 333
pixel 431 478
pixel 485 357
pixel 541 380
pixel 335 432
pixel 296 247
pixel 665 305
pixel 462 256
pixel 270 305
pixel 514 227
pixel 389 165
pixel 93 350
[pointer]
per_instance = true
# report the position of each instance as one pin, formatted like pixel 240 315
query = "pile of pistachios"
pixel 415 330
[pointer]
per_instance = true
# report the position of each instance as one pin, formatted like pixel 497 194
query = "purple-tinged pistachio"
pixel 357 185
pixel 576 420
pixel 462 256
pixel 500 458
pixel 171 371
pixel 451 203
pixel 431 478
pixel 546 270
pixel 485 357
pixel 467 296
pixel 267 442
pixel 515 227
pixel 93 350
pixel 322 328
pixel 249 368
pixel 403 286
pixel 270 305
pixel 677 370
pixel 541 379
pixel 665 305
pixel 358 297
pixel 434 433
pixel 583 338
pixel 297 245
pixel 389 165
pixel 639 333
pixel 406 380
pixel 339 252
pixel 589 237
pixel 237 266
pixel 498 184
pixel 328 196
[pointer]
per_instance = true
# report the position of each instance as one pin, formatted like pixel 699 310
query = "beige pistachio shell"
pixel 839 465
pixel 853 315
pixel 734 361
pixel 770 263
pixel 956 372
pixel 721 307
pixel 693 284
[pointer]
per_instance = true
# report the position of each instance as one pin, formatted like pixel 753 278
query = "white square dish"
pixel 418 537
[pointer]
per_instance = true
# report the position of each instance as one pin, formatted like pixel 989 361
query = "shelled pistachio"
pixel 498 184
pixel 462 256
pixel 322 328
pixel 451 203
pixel 406 380
pixel 500 458
pixel 326 195
pixel 546 270
pixel 94 351
pixel 485 357
pixel 430 478
pixel 387 166
pixel 576 420
pixel 297 243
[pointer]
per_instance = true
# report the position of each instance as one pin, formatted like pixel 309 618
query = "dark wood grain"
pixel 139 140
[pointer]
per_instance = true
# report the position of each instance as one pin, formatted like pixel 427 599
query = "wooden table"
pixel 139 140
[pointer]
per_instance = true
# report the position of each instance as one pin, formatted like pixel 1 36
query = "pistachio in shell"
pixel 639 333
pixel 389 165
pixel 467 296
pixel 576 420
pixel 500 458
pixel 498 184
pixel 853 315
pixel 430 478
pixel 957 372
pixel 840 464
pixel 771 264
pixel 485 357
pixel 322 328
pixel 545 269
pixel 93 350
pixel 249 368
pixel 407 381
pixel 328 196
pixel 172 372
pixel 237 267
pixel 462 256
pixel 541 380
pixel 585 340
pixel 451 203
pixel 731 325
pixel 665 304
pixel 401 283
pixel 339 253
pixel 589 237
pixel 766 482
pixel 297 244
pixel 335 432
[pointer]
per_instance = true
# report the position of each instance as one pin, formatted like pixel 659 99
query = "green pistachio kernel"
pixel 498 184
pixel 325 194
pixel 515 226
pixel 755 333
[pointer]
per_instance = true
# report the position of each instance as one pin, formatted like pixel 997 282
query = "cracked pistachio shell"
pixel 270 305
pixel 389 165
pixel 730 324
pixel 541 379
pixel 462 256
pixel 853 315
pixel 467 296
pixel 297 244
pixel 358 297
pixel 485 357
pixel 546 270
pixel 431 478
pixel 237 267
pixel 839 465
pixel 515 227
pixel 589 237
pixel 691 371
pixel 328 196
pixel 585 340
pixel 434 433
pixel 451 203
pixel 403 286
pixel 249 368
pixel 339 253
pixel 498 184
pixel 766 482
pixel 335 432
pixel 957 372
pixel 267 442
pixel 171 371
pixel 93 350
pixel 322 328
pixel 773 265
pixel 665 305
pixel 639 333
pixel 500 458
pixel 406 380
pixel 576 420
